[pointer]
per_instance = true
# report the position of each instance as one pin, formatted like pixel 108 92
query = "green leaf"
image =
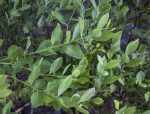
pixel 131 47
pixel 2 79
pixel 44 48
pixel 142 48
pixel 76 31
pixel 87 95
pixel 57 35
pixel 146 112
pixel 28 44
pixel 140 76
pixel 25 7
pixel 64 3
pixel 56 65
pixel 5 93
pixel 105 36
pixel 66 68
pixel 134 62
pixel 94 3
pixel 1 42
pixel 59 17
pixel 125 58
pixel 27 27
pixel 116 104
pixel 52 87
pixel 110 79
pixel 103 21
pixel 147 96
pixel 97 101
pixel 105 7
pixel 34 74
pixel 130 110
pixel 37 99
pixel 68 36
pixel 112 64
pixel 7 108
pixel 121 111
pixel 14 52
pixel 64 85
pixel 74 51
pixel 105 1
pixel 81 26
pixel 96 33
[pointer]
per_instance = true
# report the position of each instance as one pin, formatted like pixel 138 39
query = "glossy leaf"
pixel 112 64
pixel 74 51
pixel 131 47
pixel 140 76
pixel 64 85
pixel 34 75
pixel 103 21
pixel 57 35
pixel 97 101
pixel 56 65
pixel 87 95
pixel 59 17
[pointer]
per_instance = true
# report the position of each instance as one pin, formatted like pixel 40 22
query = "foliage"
pixel 67 53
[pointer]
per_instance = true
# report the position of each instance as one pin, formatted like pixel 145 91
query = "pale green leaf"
pixel 97 101
pixel 87 95
pixel 7 108
pixel 56 65
pixel 74 51
pixel 147 96
pixel 131 47
pixel 5 93
pixel 57 35
pixel 64 85
pixel 37 99
pixel 130 110
pixel 59 17
pixel 34 74
pixel 140 76
pixel 103 21
pixel 112 64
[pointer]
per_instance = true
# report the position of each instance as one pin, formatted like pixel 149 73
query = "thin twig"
pixel 138 19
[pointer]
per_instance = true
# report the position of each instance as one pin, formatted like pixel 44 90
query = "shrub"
pixel 67 54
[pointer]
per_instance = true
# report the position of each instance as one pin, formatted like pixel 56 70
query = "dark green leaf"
pixel 110 79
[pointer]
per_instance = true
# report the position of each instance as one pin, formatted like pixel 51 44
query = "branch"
pixel 138 19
